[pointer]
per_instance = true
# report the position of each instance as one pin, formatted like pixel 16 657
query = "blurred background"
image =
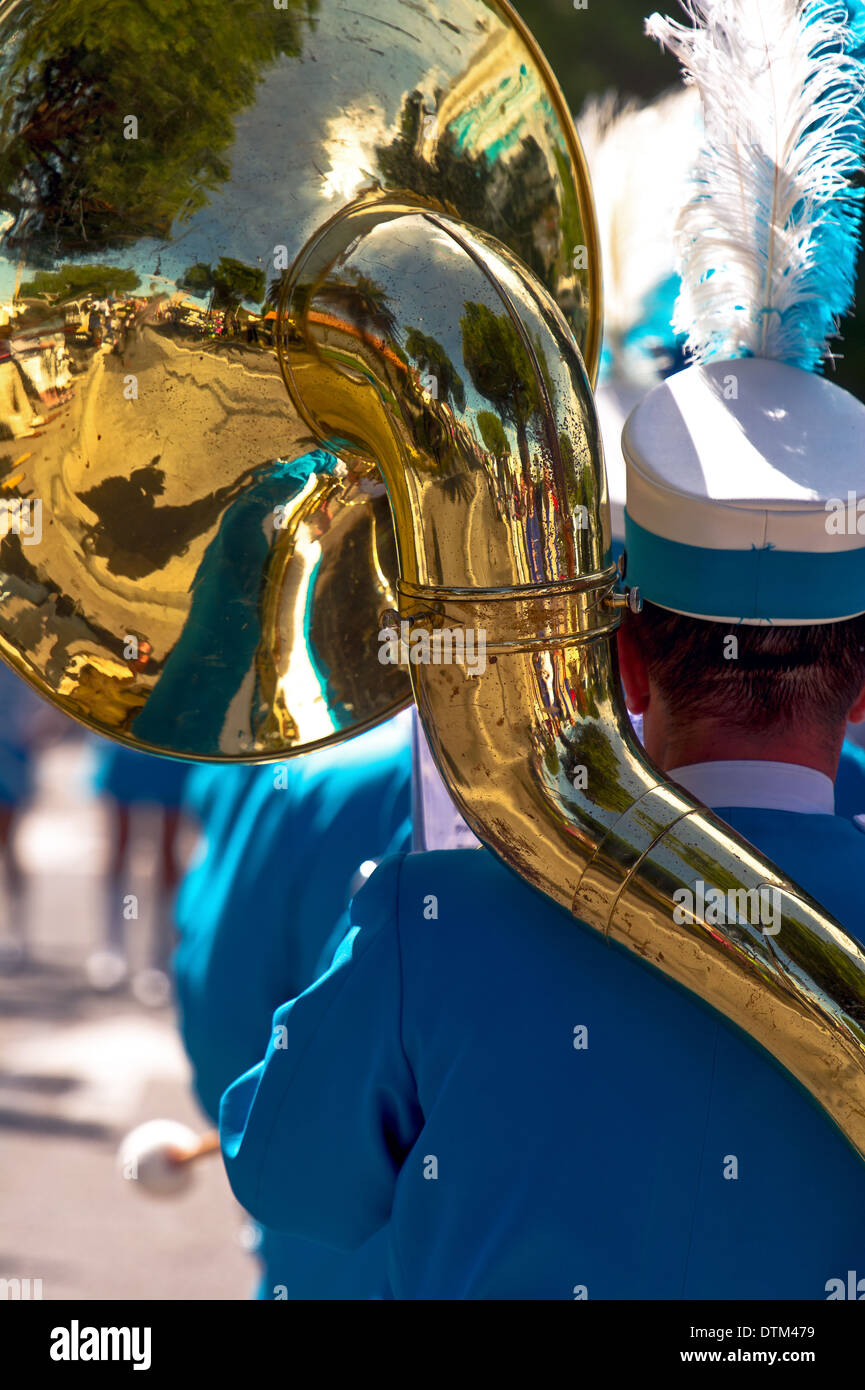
pixel 88 1041
pixel 601 49
pixel 91 848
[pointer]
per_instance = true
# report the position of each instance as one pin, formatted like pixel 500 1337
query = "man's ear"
pixel 857 711
pixel 634 672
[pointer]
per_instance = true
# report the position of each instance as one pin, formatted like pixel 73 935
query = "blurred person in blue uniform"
pixel 28 725
pixel 259 915
pixel 130 782
pixel 533 1112
pixel 19 706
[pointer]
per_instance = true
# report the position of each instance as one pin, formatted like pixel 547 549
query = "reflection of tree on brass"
pixel 136 536
pixel 198 279
pixel 498 448
pixel 434 428
pixel 519 384
pixel 70 281
pixel 824 960
pixel 590 747
pixel 581 487
pixel 572 238
pixel 431 358
pixel 368 302
pixel 230 282
pixel 514 199
pixel 451 175
pixel 494 437
pixel 359 312
pixel 358 300
pixel 501 369
pixel 74 73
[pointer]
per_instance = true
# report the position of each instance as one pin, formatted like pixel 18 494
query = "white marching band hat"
pixel 743 486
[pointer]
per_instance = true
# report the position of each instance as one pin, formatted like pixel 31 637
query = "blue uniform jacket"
pixel 255 914
pixel 850 781
pixel 17 703
pixel 136 779
pixel 431 1080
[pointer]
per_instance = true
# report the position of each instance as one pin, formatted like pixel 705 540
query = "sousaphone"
pixel 303 312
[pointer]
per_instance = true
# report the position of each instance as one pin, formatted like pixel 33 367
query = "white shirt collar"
pixel 436 822
pixel 765 786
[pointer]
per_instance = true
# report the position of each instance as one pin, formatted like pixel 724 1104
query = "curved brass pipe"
pixel 499 502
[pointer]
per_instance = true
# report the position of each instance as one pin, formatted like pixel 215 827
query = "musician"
pixel 641 346
pixel 435 1076
pixel 262 905
pixel 533 1112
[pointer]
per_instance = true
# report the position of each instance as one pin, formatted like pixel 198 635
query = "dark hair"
pixel 779 676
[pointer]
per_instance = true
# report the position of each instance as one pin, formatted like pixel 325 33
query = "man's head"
pixel 710 690
pixel 744 512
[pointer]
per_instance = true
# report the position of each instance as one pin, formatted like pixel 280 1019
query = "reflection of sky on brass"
pixel 350 146
pixel 258 212
pixel 510 281
pixel 7 279
pixel 253 213
pixel 429 259
pixel 299 685
pixel 445 244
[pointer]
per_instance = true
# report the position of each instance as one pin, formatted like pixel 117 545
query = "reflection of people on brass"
pixel 207 665
pixel 228 283
pixel 94 325
pixel 134 534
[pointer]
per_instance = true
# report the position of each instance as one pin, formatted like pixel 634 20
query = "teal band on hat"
pixel 779 586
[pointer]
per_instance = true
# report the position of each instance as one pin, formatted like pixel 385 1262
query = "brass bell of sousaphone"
pixel 203 584
pixel 304 307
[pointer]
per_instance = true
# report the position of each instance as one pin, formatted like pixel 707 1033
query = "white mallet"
pixel 158 1156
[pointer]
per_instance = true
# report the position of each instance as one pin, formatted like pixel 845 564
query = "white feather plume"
pixel 767 239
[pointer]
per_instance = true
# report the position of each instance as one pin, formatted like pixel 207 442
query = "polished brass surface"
pixel 204 585
pixel 497 486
